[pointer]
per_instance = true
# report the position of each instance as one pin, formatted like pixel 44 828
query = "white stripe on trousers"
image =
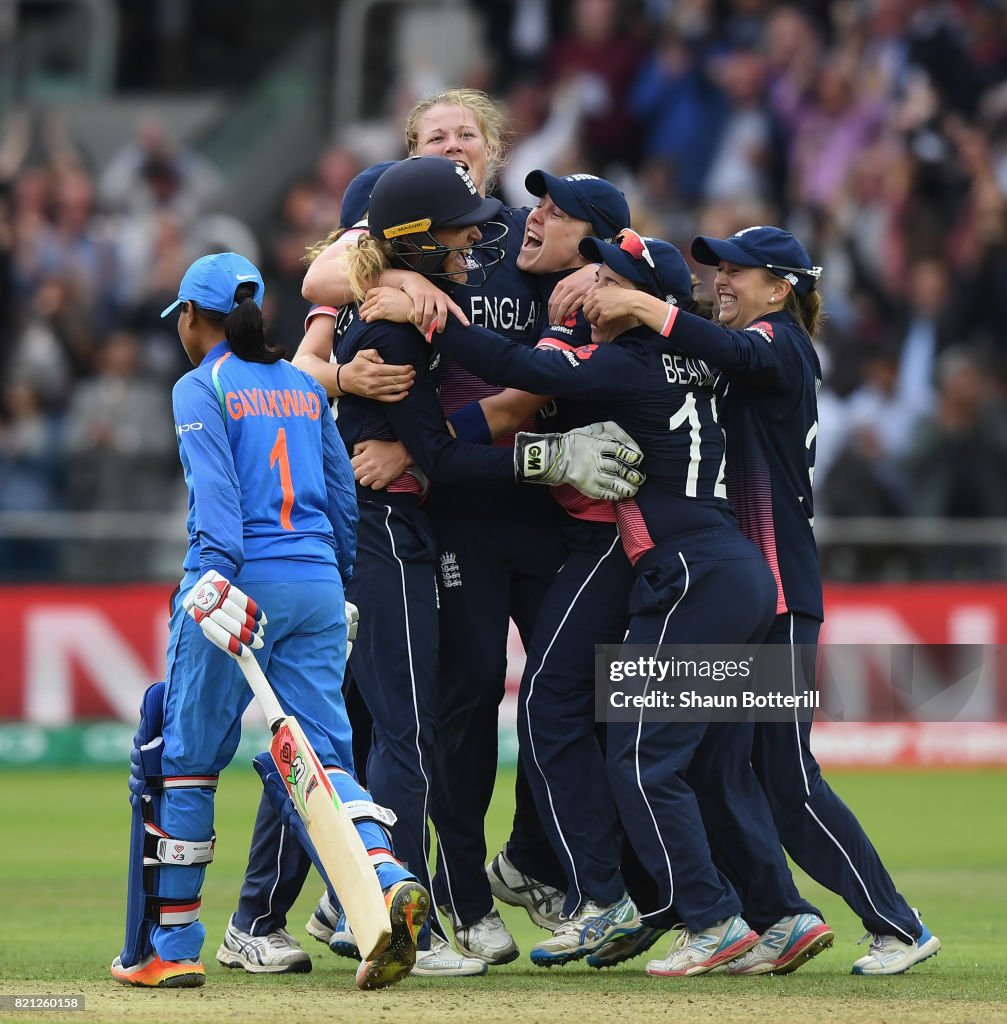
pixel 639 732
pixel 807 792
pixel 416 710
pixel 272 891
pixel 527 706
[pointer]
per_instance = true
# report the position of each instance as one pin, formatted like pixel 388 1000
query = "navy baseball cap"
pixel 211 282
pixel 585 197
pixel 773 248
pixel 652 262
pixel 357 197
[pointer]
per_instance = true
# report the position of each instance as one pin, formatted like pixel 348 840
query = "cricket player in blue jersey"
pixel 697 580
pixel 272 513
pixel 770 309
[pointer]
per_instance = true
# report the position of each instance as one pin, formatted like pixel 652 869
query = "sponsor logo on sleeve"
pixel 763 328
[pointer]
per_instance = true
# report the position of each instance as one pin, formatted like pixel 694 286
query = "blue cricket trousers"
pixel 206 695
pixel 278 864
pixel 394 667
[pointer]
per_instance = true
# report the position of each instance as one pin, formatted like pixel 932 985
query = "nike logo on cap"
pixel 246 277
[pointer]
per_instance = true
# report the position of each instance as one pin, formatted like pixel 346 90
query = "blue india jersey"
pixel 269 481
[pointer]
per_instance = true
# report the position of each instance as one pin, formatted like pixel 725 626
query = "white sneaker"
pixel 322 922
pixel 441 961
pixel 276 953
pixel 544 903
pixel 486 939
pixel 889 955
pixel 590 928
pixel 785 946
pixel 698 952
pixel 328 924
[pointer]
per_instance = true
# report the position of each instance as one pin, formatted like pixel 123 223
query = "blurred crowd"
pixel 876 130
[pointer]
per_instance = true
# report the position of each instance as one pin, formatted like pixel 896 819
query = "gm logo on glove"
pixel 533 456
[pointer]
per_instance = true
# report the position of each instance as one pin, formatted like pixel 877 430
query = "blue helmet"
pixel 421 194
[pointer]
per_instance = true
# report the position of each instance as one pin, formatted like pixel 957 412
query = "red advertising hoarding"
pixel 73 654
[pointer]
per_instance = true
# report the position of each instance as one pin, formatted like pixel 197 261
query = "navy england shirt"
pixel 418 420
pixel 769 408
pixel 666 402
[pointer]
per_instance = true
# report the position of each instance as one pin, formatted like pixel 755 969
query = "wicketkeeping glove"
pixel 599 460
pixel 352 622
pixel 227 616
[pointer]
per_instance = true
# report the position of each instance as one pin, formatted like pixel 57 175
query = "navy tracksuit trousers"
pixel 587 604
pixel 674 780
pixel 817 829
pixel 497 560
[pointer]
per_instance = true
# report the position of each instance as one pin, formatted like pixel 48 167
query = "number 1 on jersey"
pixel 279 454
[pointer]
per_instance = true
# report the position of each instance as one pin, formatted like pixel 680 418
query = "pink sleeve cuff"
pixel 669 320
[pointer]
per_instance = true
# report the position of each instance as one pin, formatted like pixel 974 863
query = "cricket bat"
pixel 328 824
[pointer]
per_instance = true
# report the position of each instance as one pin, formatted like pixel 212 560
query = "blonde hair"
pixel 364 264
pixel 489 118
pixel 313 251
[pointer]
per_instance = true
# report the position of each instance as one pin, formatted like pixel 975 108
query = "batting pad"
pixel 149 845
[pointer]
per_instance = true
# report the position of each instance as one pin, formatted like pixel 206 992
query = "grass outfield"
pixel 62 881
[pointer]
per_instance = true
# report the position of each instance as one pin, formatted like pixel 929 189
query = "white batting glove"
pixel 228 617
pixel 352 622
pixel 598 460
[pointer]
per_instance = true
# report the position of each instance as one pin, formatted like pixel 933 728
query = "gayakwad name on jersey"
pixel 503 312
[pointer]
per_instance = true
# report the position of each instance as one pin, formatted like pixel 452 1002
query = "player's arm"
pixel 216 495
pixel 418 422
pixel 312 355
pixel 600 460
pixel 488 419
pixel 570 292
pixel 341 495
pixel 377 463
pixel 495 415
pixel 326 283
pixel 584 371
pixel 746 351
pixel 366 374
pixel 484 421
